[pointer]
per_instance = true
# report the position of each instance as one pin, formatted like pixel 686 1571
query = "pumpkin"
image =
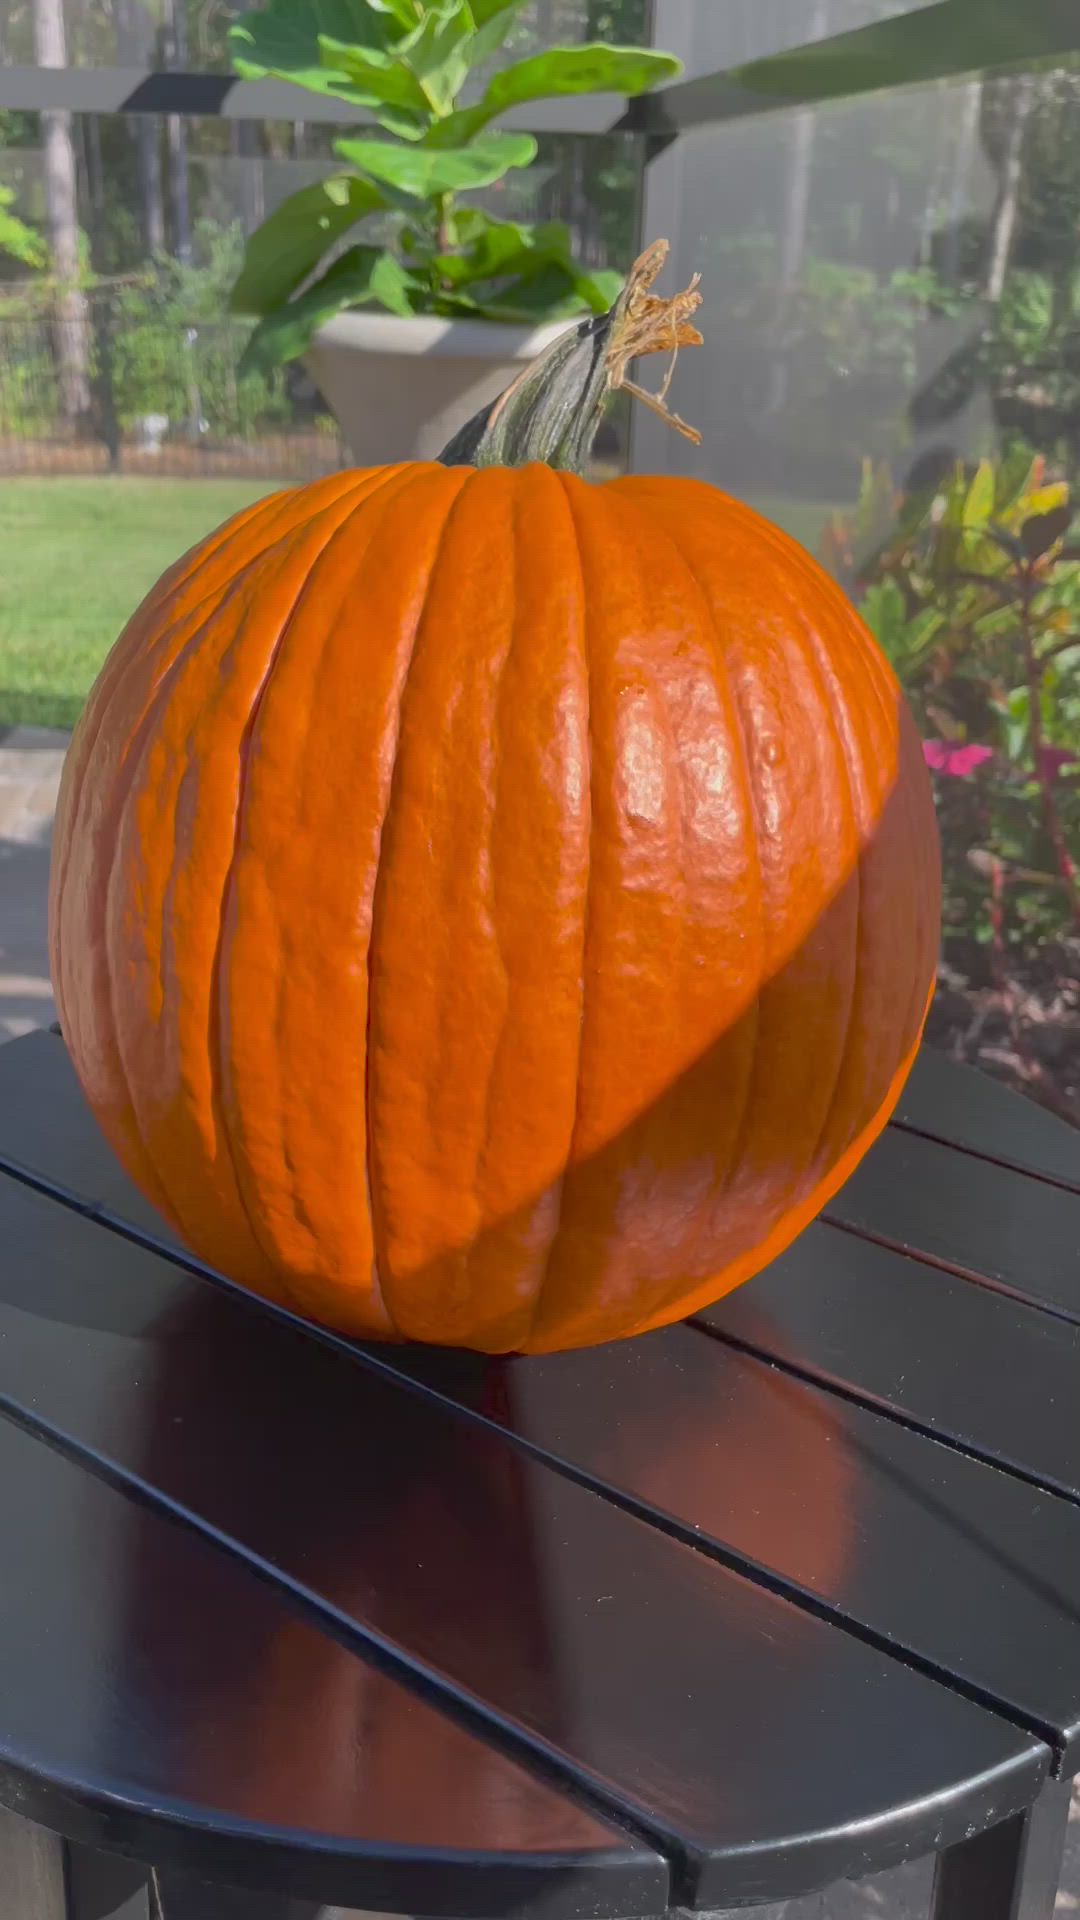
pixel 490 908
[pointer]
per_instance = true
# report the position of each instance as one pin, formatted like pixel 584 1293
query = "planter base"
pixel 401 389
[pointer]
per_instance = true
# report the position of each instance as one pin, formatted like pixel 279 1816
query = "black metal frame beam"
pixel 941 41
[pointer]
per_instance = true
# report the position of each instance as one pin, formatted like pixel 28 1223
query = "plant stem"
pixel 442 226
pixel 552 410
pixel 1052 818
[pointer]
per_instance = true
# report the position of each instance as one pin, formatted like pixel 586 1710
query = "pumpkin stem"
pixel 552 410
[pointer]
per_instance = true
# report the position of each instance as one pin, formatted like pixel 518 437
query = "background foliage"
pixel 972 586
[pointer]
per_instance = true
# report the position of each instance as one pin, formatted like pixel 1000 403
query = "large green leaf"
pixel 560 71
pixel 426 172
pixel 558 292
pixel 394 287
pixel 485 10
pixel 503 247
pixel 489 36
pixel 292 241
pixel 588 69
pixel 281 40
pixel 375 79
pixel 506 263
pixel 599 288
pixel 284 334
pixel 437 52
pixel 403 11
pixel 979 499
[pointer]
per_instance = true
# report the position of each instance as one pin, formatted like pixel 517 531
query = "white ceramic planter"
pixel 400 389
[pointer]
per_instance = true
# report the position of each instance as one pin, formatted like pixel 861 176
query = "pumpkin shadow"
pixel 279 1711
pixel 456 1554
pixel 703 1435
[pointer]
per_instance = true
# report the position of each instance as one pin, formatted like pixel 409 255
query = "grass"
pixel 77 556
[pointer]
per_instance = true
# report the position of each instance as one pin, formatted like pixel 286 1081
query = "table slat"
pixel 1012 1230
pixel 973 1366
pixel 972 1110
pixel 158 1699
pixel 678 1691
pixel 855 1510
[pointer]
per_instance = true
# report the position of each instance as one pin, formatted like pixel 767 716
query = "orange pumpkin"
pixel 493 909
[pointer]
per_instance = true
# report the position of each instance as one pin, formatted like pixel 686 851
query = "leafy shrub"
pixel 174 354
pixel 972 586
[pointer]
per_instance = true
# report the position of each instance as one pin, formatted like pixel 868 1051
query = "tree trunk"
pixel 151 184
pixel 71 332
pixel 90 160
pixel 133 47
pixel 967 140
pixel 793 230
pixel 1004 229
pixel 175 38
pixel 246 145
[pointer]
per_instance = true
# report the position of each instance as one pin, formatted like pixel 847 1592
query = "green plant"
pixel 420 67
pixel 17 240
pixel 173 354
pixel 972 586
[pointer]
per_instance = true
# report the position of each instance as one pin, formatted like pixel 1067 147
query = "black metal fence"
pixel 98 381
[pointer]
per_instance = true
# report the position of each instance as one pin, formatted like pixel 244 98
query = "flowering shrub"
pixel 973 590
pixel 972 586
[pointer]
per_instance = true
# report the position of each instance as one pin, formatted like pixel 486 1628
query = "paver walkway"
pixel 30 763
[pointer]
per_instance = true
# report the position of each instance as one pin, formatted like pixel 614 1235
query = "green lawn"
pixel 77 556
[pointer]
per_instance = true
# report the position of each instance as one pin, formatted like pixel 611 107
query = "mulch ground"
pixel 1024 1028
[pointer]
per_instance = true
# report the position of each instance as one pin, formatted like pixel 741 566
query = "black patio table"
pixel 786 1594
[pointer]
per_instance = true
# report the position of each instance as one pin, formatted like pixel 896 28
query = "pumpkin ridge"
pixel 876 685
pixel 92 721
pixel 130 642
pixel 879 687
pixel 829 693
pixel 127 776
pixel 382 1278
pixel 834 703
pixel 568 484
pixel 569 488
pixel 925 841
pixel 872 663
pixel 114 807
pixel 89 726
pixel 483 1156
pixel 195 618
pixel 750 786
pixel 388 484
pixel 217 1069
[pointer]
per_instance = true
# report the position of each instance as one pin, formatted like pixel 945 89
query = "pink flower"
pixel 954 760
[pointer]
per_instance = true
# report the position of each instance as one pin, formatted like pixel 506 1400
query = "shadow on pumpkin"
pixel 702 1184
